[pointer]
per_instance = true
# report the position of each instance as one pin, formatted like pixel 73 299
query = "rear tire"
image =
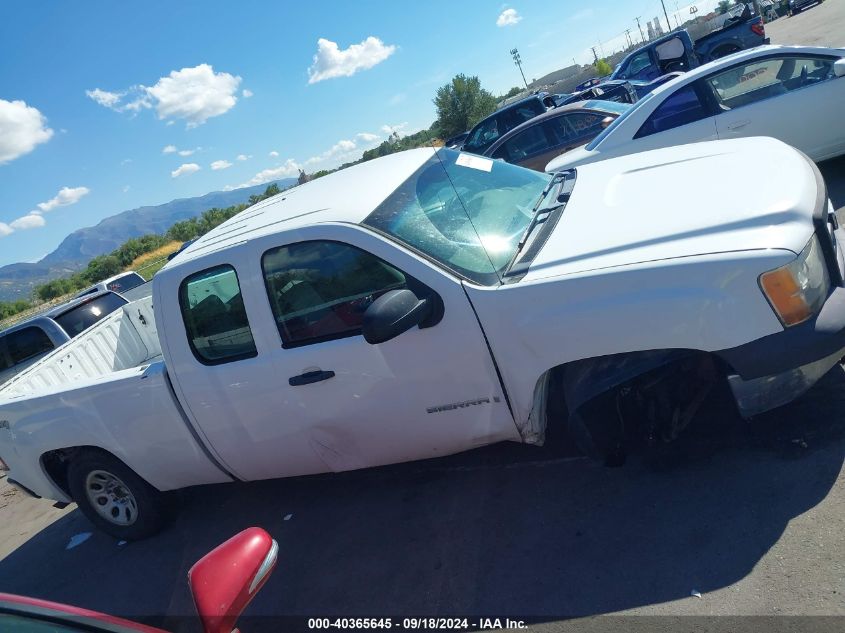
pixel 114 498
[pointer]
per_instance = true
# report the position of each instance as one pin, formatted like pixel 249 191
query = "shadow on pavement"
pixel 494 532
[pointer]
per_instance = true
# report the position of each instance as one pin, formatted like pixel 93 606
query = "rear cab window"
pixel 215 318
pixel 126 282
pixel 22 345
pixel 84 315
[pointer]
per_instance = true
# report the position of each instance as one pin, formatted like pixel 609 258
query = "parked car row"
pixel 792 93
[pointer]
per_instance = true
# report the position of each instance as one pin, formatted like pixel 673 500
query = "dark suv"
pixel 488 130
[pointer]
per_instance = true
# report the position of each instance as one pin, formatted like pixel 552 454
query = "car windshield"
pixel 83 316
pixel 611 107
pixel 596 142
pixel 463 211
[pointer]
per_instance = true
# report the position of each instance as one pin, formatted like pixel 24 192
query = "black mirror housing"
pixel 393 313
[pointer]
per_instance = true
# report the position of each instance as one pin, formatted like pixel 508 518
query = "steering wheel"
pixel 674 66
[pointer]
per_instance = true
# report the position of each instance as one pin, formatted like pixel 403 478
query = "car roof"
pixel 348 195
pixel 590 105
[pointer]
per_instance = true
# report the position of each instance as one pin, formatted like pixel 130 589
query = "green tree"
pixel 461 104
pixel 603 68
pixel 511 93
pixel 724 5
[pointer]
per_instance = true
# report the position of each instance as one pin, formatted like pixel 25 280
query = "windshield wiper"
pixel 541 212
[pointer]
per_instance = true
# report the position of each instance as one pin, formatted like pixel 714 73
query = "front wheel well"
pixel 662 391
pixel 56 463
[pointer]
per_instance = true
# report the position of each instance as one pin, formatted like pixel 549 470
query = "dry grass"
pixel 152 256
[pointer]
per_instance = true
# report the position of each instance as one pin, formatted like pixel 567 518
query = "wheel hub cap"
pixel 111 498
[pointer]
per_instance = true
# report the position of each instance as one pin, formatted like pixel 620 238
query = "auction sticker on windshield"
pixel 474 162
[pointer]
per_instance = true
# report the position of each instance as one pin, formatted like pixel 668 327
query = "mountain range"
pixel 77 249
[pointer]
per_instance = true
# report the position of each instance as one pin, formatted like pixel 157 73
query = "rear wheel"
pixel 114 498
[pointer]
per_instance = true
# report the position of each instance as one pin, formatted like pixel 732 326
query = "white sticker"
pixel 474 162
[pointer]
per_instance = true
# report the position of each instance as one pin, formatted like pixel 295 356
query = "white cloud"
pixel 126 188
pixel 169 149
pixel 65 197
pixel 193 94
pixel 125 161
pixel 241 157
pixel 274 154
pixel 397 99
pixel 338 151
pixel 34 219
pixel 187 168
pixel 22 127
pixel 246 94
pixel 105 98
pixel 30 221
pixel 290 168
pixel 187 152
pixel 399 128
pixel 330 61
pixel 367 137
pixel 220 164
pixel 508 17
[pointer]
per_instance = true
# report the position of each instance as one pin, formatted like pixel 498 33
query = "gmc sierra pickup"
pixel 430 302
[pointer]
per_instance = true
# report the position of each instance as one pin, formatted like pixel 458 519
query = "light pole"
pixel 666 13
pixel 518 61
pixel 641 29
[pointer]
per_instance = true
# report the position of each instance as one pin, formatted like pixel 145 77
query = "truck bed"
pixel 108 388
pixel 125 339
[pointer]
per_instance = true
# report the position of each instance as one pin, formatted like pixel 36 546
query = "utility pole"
pixel 594 54
pixel 518 61
pixel 628 37
pixel 668 23
pixel 641 29
pixel 677 12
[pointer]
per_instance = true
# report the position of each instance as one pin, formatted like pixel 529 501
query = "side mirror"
pixel 392 313
pixel 839 67
pixel 224 581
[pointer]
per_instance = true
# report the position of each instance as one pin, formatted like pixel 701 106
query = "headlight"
pixel 798 290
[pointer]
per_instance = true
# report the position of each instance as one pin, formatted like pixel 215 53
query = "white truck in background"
pixel 430 302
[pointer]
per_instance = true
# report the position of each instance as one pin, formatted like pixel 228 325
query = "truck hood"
pixel 697 199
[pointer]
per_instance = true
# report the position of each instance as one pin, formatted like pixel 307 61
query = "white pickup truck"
pixel 430 302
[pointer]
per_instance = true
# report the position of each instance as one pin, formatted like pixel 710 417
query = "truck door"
pixel 283 383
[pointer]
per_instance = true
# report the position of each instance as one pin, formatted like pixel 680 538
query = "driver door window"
pixel 762 79
pixel 319 290
pixel 638 63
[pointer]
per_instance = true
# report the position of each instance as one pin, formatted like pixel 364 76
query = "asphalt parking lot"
pixel 751 516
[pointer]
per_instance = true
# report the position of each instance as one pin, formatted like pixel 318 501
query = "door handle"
pixel 737 125
pixel 309 377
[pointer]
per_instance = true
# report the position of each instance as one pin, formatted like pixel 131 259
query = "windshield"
pixel 86 314
pixel 611 107
pixel 472 228
pixel 618 121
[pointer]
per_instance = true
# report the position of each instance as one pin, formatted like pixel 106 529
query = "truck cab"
pixel 676 51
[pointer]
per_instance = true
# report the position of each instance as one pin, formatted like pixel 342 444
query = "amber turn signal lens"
pixel 786 296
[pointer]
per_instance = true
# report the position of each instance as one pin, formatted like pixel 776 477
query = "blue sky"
pixel 109 106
